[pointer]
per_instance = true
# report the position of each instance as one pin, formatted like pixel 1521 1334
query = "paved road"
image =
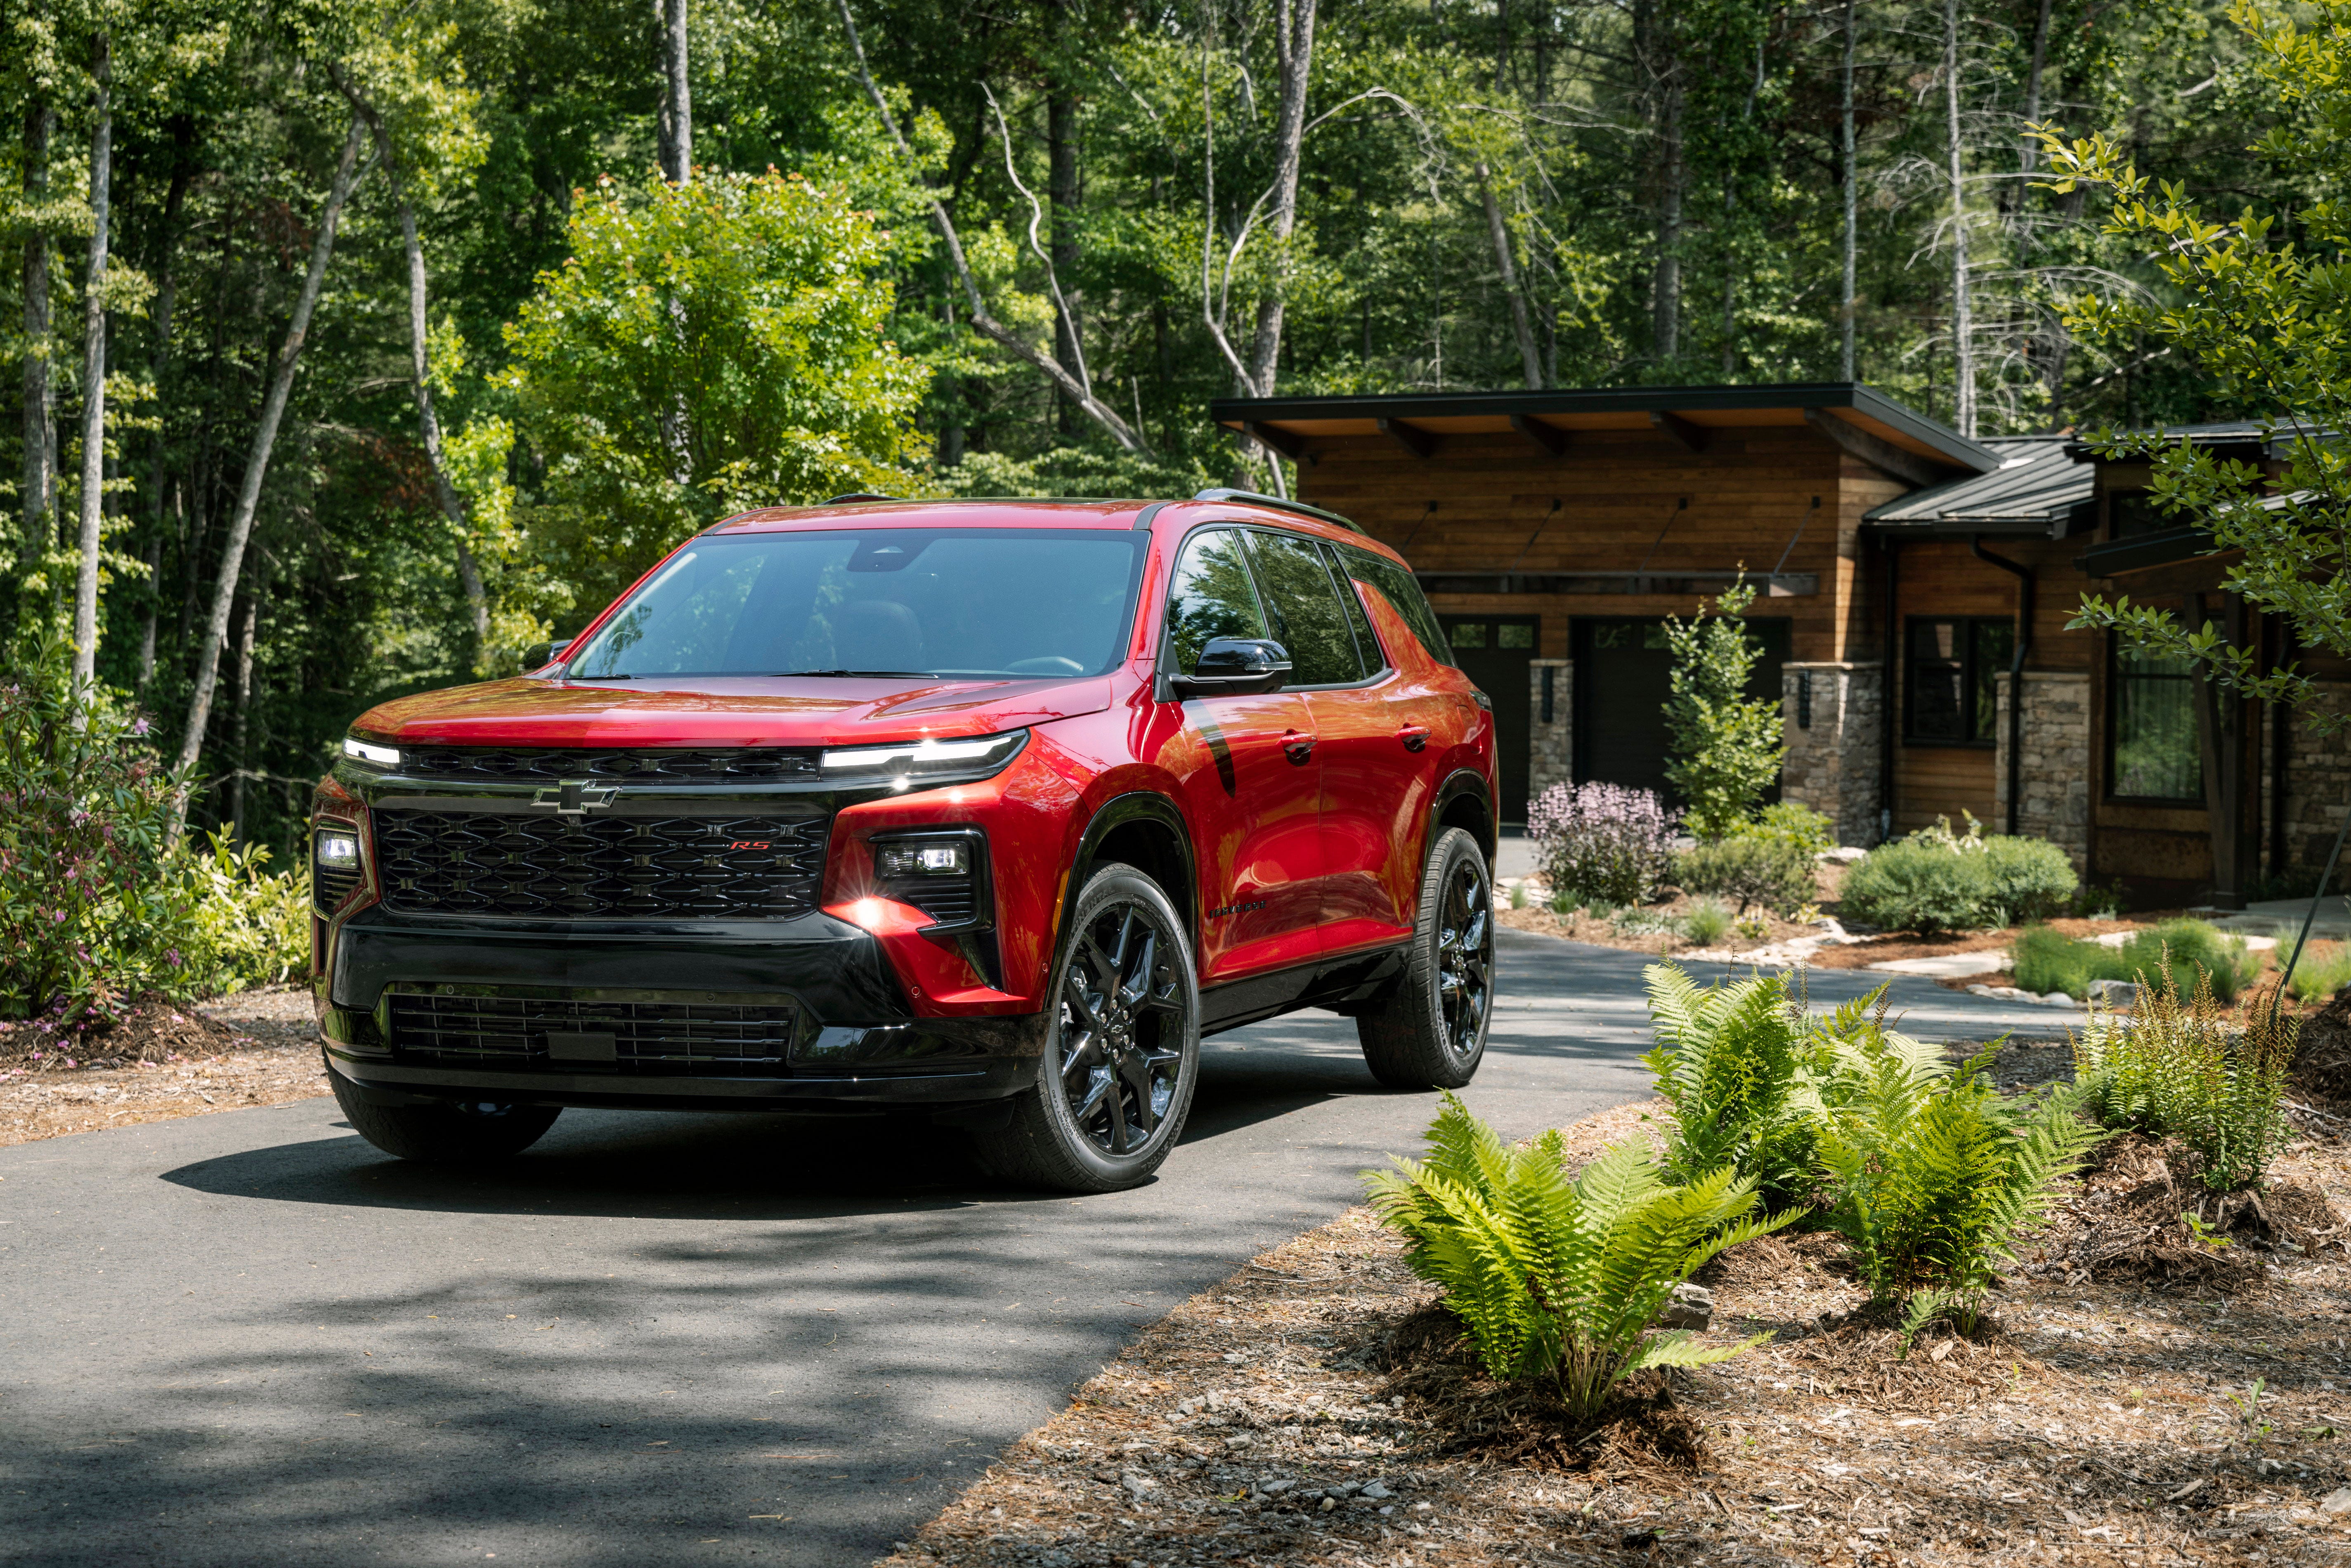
pixel 248 1338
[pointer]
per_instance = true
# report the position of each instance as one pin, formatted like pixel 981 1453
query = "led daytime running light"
pixel 920 754
pixel 374 756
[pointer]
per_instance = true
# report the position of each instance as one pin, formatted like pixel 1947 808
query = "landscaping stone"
pixel 1949 965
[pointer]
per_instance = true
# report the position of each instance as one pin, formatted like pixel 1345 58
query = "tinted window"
pixel 895 600
pixel 1211 597
pixel 1402 592
pixel 1367 647
pixel 1307 619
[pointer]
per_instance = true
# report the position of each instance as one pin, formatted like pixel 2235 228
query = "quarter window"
pixel 1402 590
pixel 1307 617
pixel 1212 597
pixel 2152 750
pixel 1951 699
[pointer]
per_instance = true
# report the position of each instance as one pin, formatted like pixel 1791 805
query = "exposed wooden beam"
pixel 1694 436
pixel 1411 437
pixel 1876 452
pixel 1549 437
pixel 1289 442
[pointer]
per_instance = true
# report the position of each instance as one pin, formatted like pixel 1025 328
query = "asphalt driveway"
pixel 249 1338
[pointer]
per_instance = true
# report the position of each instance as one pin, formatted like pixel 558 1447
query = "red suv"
pixel 991 809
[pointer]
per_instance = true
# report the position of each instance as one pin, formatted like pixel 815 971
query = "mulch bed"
pixel 254 1047
pixel 1315 1408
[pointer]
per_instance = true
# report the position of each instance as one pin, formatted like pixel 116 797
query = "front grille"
pixel 949 900
pixel 725 765
pixel 600 868
pixel 508 1030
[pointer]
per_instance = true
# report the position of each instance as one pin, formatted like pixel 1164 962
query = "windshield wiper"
pixel 906 674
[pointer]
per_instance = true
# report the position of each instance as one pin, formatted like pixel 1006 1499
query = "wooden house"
pixel 1909 579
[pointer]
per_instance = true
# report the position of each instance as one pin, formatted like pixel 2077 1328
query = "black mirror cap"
pixel 1236 666
pixel 538 655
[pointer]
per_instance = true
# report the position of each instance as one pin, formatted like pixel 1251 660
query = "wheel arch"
pixel 1464 801
pixel 1147 832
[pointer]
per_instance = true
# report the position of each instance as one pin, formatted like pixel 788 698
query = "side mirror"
pixel 1235 666
pixel 538 655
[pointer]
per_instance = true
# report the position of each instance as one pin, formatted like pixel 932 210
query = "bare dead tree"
pixel 982 320
pixel 1850 305
pixel 348 174
pixel 93 359
pixel 1500 234
pixel 1963 364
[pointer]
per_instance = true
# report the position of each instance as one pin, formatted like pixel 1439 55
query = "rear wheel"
pixel 1430 1031
pixel 455 1133
pixel 1122 1048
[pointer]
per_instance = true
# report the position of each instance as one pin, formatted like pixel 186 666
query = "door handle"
pixel 1297 747
pixel 1413 736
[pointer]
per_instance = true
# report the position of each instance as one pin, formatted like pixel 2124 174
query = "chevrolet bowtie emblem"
pixel 574 798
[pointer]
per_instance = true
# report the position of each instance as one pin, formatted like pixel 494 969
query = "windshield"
pixel 999 603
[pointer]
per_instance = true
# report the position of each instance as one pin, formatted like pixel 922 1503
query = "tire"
pixel 1122 1048
pixel 473 1134
pixel 1430 1031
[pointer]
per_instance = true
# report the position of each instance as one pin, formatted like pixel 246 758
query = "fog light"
pixel 949 859
pixel 338 852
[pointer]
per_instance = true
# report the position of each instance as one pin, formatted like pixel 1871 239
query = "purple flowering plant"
pixel 1602 842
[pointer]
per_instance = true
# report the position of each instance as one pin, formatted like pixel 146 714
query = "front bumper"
pixel 486 1010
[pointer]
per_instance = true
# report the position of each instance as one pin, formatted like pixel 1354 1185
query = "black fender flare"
pixel 1459 782
pixel 1136 805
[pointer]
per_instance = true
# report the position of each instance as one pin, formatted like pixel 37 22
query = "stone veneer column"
pixel 2317 786
pixel 1551 746
pixel 2055 776
pixel 1832 762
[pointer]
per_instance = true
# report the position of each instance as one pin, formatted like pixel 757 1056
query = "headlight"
pixel 925 762
pixel 370 754
pixel 335 868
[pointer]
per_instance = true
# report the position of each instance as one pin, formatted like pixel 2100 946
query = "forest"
pixel 364 345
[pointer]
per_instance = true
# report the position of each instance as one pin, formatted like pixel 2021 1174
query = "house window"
pixel 2153 751
pixel 1951 700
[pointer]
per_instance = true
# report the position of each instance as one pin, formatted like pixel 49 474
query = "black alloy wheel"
pixel 1429 1030
pixel 1122 1050
pixel 1120 1028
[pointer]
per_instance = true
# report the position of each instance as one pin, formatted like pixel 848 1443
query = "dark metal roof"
pixel 1786 397
pixel 2224 432
pixel 2032 491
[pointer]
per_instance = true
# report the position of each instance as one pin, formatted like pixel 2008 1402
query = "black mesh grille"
pixel 726 765
pixel 949 900
pixel 600 868
pixel 330 887
pixel 509 1031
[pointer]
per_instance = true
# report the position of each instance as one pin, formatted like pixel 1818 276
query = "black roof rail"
pixel 1276 502
pixel 860 496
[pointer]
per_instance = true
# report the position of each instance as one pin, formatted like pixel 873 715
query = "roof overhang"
pixel 1880 429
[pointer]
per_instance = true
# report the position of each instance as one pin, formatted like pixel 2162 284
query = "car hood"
pixel 744 711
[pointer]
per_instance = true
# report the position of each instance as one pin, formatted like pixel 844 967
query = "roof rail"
pixel 861 496
pixel 1276 502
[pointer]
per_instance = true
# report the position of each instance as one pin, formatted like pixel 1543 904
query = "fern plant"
pixel 1558 1278
pixel 1730 1060
pixel 1932 1175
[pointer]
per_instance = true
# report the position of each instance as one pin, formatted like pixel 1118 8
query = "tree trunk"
pixel 1061 191
pixel 1529 360
pixel 1963 365
pixel 93 382
pixel 39 493
pixel 1673 174
pixel 1294 48
pixel 1847 313
pixel 265 438
pixel 167 294
pixel 452 506
pixel 244 707
pixel 675 118
pixel 2029 146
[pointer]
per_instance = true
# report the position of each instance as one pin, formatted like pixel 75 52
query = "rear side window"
pixel 1367 645
pixel 1307 619
pixel 1211 597
pixel 1402 590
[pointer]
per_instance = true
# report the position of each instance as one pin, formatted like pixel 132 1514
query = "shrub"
pixel 1556 1278
pixel 1706 923
pixel 1932 1174
pixel 2323 970
pixel 1729 1060
pixel 1768 872
pixel 1725 747
pixel 2046 960
pixel 2028 879
pixel 2175 1072
pixel 246 926
pixel 1788 822
pixel 1909 887
pixel 1601 841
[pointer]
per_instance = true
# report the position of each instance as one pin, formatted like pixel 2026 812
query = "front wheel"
pixel 1122 1048
pixel 455 1133
pixel 1430 1031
